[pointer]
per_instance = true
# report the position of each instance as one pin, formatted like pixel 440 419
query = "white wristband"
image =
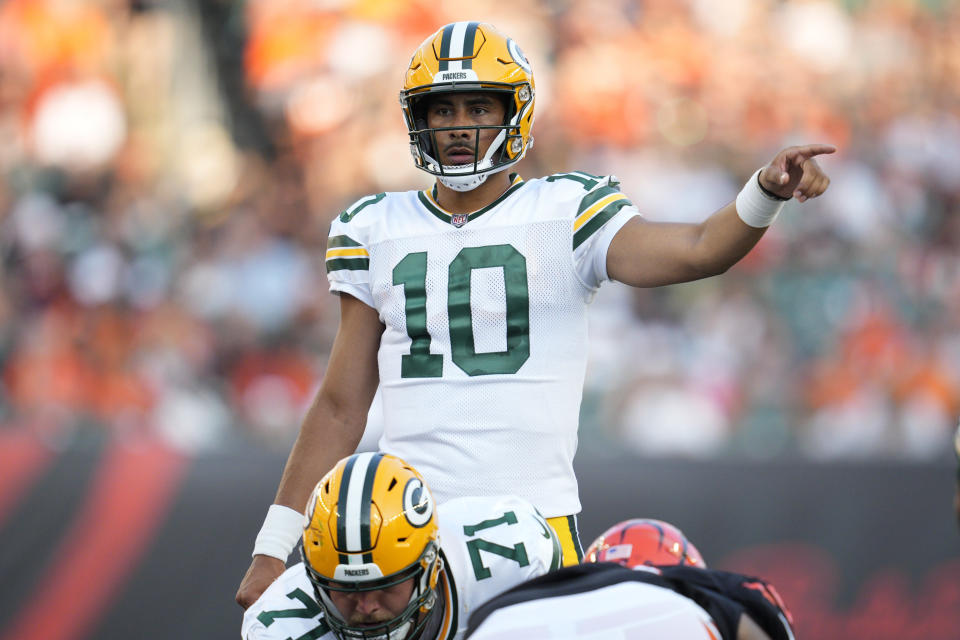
pixel 281 529
pixel 756 208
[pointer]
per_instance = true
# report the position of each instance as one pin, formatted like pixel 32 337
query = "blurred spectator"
pixel 162 266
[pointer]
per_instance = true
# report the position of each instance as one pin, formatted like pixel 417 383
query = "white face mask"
pixel 456 177
pixel 400 633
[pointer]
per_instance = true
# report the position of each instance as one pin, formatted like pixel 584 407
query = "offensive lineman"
pixel 467 303
pixel 640 579
pixel 381 561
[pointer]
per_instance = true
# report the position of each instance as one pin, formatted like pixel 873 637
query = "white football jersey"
pixel 488 545
pixel 483 358
pixel 625 610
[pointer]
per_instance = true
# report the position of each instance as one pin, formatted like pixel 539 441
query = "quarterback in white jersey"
pixel 483 355
pixel 486 546
pixel 467 303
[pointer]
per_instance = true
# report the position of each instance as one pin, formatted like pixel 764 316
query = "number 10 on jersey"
pixel 411 272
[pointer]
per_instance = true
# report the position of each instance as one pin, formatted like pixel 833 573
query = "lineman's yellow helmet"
pixel 469 57
pixel 371 524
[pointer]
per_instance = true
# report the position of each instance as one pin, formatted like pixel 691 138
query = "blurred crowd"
pixel 170 168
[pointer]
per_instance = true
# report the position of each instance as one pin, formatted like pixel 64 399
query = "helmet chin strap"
pixel 463 183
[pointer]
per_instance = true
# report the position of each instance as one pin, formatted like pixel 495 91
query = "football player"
pixel 381 560
pixel 640 579
pixel 467 303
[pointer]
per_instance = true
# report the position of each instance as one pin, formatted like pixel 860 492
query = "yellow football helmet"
pixel 469 56
pixel 371 524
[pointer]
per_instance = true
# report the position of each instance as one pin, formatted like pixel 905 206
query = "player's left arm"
pixel 650 254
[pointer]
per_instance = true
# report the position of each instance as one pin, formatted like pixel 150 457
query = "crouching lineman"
pixel 641 578
pixel 380 560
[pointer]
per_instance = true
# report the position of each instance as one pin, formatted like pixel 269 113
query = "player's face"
pixel 360 608
pixel 456 147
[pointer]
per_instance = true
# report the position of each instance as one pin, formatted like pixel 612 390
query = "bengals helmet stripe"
pixel 644 542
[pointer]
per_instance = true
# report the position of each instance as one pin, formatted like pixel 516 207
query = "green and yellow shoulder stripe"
pixel 601 202
pixel 343 252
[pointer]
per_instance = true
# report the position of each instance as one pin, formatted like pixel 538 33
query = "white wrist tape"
pixel 281 529
pixel 756 208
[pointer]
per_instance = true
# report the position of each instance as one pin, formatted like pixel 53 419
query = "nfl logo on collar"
pixel 458 219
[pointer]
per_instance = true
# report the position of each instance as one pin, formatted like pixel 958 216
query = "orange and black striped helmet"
pixel 640 541
pixel 470 57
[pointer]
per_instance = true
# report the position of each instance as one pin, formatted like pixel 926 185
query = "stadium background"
pixel 169 173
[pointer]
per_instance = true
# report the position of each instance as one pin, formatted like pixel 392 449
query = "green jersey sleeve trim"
pixel 598 220
pixel 595 196
pixel 348 264
pixel 349 214
pixel 337 242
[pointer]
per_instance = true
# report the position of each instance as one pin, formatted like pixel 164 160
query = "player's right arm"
pixel 651 254
pixel 332 427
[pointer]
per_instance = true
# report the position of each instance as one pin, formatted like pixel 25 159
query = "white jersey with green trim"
pixel 488 544
pixel 483 358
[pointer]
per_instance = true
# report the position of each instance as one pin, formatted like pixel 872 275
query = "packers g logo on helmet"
pixel 469 57
pixel 372 524
pixel 417 503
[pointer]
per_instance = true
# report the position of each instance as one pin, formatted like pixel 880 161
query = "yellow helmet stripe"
pixel 584 217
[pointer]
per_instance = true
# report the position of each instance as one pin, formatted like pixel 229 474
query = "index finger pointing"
pixel 811 150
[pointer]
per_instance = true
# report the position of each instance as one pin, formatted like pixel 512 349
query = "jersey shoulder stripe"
pixel 343 252
pixel 598 199
pixel 593 219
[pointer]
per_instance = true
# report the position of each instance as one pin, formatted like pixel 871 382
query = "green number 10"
pixel 411 272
